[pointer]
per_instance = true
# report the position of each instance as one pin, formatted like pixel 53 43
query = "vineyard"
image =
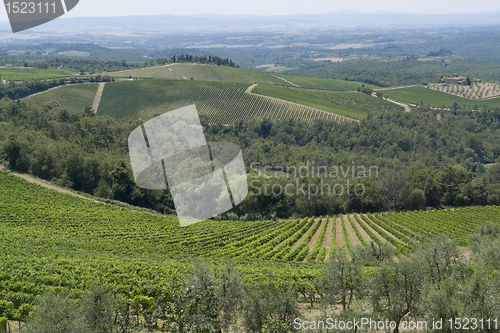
pixel 321 83
pixel 350 104
pixel 202 72
pixel 72 97
pixel 221 102
pixel 38 217
pixel 475 91
pixel 24 73
pixel 57 242
pixel 438 99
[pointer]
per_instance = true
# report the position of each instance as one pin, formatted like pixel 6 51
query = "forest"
pixel 421 162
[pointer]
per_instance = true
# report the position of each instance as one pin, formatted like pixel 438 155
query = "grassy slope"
pixel 72 97
pixel 222 102
pixel 202 72
pixel 23 73
pixel 350 104
pixel 417 95
pixel 323 84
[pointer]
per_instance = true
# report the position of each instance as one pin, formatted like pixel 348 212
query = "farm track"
pixel 339 233
pixel 293 84
pixel 250 89
pixel 303 236
pixel 366 237
pixel 45 183
pixel 316 235
pixel 98 96
pixel 352 235
pixel 381 227
pixel 43 92
pixel 371 229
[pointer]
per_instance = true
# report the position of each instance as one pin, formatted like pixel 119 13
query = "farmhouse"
pixel 454 79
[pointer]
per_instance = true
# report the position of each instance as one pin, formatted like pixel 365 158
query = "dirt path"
pixel 293 84
pixel 362 231
pixel 316 235
pixel 340 234
pixel 249 91
pixel 43 92
pixel 45 184
pixel 405 106
pixel 350 231
pixel 381 89
pixel 387 232
pixel 303 236
pixel 98 96
pixel 382 239
pixel 330 229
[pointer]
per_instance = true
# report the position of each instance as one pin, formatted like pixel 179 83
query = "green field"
pixel 222 102
pixel 349 104
pixel 72 97
pixel 418 95
pixel 29 73
pixel 323 84
pixel 202 72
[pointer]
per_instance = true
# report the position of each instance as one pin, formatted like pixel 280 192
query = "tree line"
pixel 420 161
pixel 211 60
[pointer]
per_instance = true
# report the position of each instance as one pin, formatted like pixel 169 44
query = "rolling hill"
pixel 202 72
pixel 222 102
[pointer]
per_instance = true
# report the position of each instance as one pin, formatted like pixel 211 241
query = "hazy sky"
pixel 276 7
pixel 272 7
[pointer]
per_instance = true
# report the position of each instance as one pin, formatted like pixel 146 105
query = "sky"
pixel 271 7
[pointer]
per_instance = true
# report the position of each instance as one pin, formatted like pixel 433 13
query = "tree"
pixel 56 313
pixel 416 199
pixel 342 280
pixel 431 192
pixel 97 309
pixel 397 290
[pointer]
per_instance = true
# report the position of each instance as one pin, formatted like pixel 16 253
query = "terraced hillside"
pixel 222 102
pixel 74 97
pixel 202 72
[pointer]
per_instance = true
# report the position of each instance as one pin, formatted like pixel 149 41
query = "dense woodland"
pixel 422 161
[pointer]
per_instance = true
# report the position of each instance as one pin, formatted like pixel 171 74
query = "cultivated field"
pixel 322 84
pixel 202 72
pixel 40 217
pixel 351 104
pixel 29 73
pixel 74 97
pixel 221 102
pixel 475 91
pixel 434 98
